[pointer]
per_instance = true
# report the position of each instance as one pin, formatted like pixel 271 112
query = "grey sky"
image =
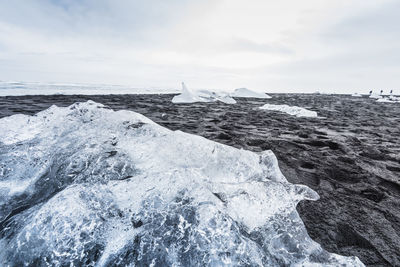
pixel 310 45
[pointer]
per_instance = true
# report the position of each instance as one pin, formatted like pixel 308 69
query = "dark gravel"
pixel 350 156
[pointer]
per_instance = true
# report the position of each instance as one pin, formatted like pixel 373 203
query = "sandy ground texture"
pixel 350 155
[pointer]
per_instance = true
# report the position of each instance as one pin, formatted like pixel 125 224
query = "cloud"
pixel 380 22
pixel 243 44
pixel 285 45
pixel 358 51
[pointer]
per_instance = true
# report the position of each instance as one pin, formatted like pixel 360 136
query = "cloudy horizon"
pixel 290 46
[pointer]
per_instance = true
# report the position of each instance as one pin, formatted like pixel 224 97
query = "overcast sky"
pixel 287 45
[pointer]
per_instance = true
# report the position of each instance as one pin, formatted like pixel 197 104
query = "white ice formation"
pixel 356 95
pixel 244 92
pixel 189 96
pixel 375 96
pixel 291 110
pixel 394 98
pixel 388 100
pixel 88 186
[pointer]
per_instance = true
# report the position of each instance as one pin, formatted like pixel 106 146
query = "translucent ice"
pixel 84 185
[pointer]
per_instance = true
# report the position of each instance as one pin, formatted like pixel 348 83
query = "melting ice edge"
pixel 86 185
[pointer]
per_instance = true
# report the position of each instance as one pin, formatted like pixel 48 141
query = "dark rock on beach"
pixel 350 155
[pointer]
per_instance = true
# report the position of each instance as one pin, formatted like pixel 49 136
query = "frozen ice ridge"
pixel 244 92
pixel 189 96
pixel 291 110
pixel 88 186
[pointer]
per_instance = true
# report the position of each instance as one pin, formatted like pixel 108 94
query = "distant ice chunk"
pixel 375 96
pixel 210 96
pixel 106 188
pixel 321 93
pixel 356 95
pixel 244 92
pixel 189 96
pixel 384 100
pixel 388 100
pixel 291 110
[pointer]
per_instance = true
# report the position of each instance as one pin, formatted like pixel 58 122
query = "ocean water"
pixel 15 88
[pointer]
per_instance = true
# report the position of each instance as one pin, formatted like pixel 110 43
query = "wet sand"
pixel 350 155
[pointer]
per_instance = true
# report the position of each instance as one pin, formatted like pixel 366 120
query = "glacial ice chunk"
pixel 388 100
pixel 189 96
pixel 291 110
pixel 97 187
pixel 356 95
pixel 244 92
pixel 375 96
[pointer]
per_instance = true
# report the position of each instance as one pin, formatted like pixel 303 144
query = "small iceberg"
pixel 189 96
pixel 388 100
pixel 244 92
pixel 375 95
pixel 356 95
pixel 321 93
pixel 209 96
pixel 291 110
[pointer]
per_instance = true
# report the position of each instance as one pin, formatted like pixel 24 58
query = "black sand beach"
pixel 350 155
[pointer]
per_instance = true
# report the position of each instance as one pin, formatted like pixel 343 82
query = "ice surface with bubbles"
pixel 88 186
